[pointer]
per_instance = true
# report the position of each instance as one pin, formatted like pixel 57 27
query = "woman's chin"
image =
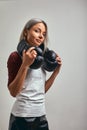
pixel 37 44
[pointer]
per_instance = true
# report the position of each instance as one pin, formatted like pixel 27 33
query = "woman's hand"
pixel 59 64
pixel 29 56
pixel 59 61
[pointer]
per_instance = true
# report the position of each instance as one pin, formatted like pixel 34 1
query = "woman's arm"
pixel 50 81
pixel 17 84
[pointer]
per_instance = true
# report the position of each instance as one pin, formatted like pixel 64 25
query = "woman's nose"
pixel 40 36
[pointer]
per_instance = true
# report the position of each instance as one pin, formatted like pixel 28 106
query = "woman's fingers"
pixel 29 56
pixel 31 52
pixel 34 53
pixel 59 60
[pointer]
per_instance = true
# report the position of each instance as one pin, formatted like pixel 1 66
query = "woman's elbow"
pixel 12 93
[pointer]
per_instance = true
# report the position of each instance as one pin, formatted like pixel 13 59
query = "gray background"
pixel 66 101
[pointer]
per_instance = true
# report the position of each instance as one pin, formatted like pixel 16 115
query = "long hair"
pixel 31 23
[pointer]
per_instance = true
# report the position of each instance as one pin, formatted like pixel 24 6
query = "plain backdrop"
pixel 66 101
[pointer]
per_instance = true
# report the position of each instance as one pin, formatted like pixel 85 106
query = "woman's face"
pixel 36 35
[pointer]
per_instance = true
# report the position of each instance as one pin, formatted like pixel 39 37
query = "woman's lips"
pixel 38 40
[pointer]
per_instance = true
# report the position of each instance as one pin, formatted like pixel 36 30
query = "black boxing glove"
pixel 39 59
pixel 50 62
pixel 23 45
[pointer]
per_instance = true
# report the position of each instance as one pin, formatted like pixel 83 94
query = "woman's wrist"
pixel 23 66
pixel 57 70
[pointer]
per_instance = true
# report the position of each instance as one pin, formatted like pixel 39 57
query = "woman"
pixel 29 85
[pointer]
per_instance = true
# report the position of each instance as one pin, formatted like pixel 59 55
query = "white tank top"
pixel 31 100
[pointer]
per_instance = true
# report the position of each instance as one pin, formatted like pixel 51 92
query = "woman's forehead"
pixel 40 26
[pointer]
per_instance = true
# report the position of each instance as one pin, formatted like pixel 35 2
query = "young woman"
pixel 30 85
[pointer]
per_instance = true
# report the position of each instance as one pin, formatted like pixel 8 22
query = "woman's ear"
pixel 25 33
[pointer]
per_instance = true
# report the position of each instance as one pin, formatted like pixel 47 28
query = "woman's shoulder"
pixel 14 57
pixel 13 64
pixel 14 54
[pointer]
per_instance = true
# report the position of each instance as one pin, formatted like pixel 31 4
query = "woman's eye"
pixel 44 34
pixel 36 30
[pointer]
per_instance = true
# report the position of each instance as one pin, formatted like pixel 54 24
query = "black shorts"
pixel 28 123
